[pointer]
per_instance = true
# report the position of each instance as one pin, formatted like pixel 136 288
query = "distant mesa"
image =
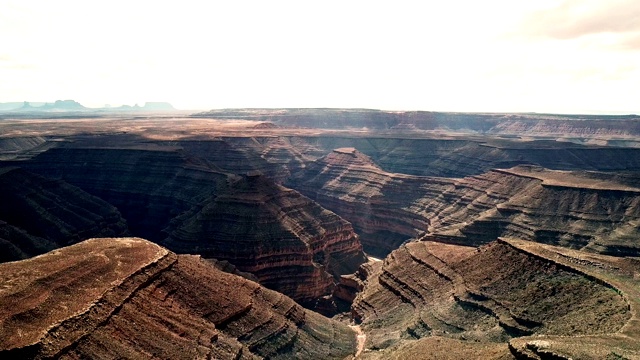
pixel 148 106
pixel 158 105
pixel 74 106
pixel 58 105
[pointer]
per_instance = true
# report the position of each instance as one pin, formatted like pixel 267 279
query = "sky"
pixel 558 56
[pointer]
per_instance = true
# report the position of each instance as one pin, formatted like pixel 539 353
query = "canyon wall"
pixel 289 242
pixel 596 211
pixel 489 295
pixel 38 214
pixel 84 307
pixel 190 205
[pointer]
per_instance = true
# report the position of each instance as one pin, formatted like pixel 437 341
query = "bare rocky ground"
pixel 428 192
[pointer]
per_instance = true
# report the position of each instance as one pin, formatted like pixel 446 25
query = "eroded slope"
pixel 129 298
pixel 591 210
pixel 487 295
pixel 288 241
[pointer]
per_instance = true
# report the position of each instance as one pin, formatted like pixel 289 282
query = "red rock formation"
pixel 378 203
pixel 500 291
pixel 285 239
pixel 129 298
pixel 597 211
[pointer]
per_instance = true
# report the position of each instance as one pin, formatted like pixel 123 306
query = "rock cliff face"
pixel 593 211
pixel 39 214
pixel 540 125
pixel 129 298
pixel 290 243
pixel 501 291
pixel 378 203
pixel 279 156
pixel 150 184
pixel 596 211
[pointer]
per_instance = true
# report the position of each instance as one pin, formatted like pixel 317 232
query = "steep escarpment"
pixel 222 153
pixel 289 242
pixel 483 123
pixel 21 146
pixel 129 298
pixel 39 214
pixel 148 183
pixel 378 203
pixel 487 295
pixel 593 210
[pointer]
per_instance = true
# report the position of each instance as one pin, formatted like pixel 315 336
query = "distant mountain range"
pixel 74 106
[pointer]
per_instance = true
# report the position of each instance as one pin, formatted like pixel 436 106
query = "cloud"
pixel 577 18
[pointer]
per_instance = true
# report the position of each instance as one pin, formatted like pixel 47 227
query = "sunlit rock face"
pixel 129 298
pixel 501 291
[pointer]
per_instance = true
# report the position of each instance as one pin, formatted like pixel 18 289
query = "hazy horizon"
pixel 549 56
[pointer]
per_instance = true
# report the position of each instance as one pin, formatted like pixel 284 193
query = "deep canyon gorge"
pixel 275 233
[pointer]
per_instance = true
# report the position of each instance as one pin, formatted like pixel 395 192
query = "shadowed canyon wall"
pixel 38 214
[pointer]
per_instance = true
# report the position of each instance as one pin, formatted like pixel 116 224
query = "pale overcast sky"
pixel 575 56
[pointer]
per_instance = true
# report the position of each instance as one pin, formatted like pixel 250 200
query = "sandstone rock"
pixel 286 240
pixel 129 298
pixel 596 211
pixel 378 203
pixel 491 294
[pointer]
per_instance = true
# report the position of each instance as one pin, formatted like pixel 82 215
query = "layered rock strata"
pixel 378 203
pixel 592 210
pixel 501 291
pixel 39 214
pixel 129 298
pixel 290 243
pixel 149 184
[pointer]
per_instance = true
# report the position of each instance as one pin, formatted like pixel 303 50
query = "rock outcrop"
pixel 378 203
pixel 592 210
pixel 489 295
pixel 39 214
pixel 289 242
pixel 149 184
pixel 129 298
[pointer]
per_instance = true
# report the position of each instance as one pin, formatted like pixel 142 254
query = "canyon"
pixel 500 235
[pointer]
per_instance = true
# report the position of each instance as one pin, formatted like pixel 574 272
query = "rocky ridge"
pixel 289 242
pixel 83 307
pixel 504 292
pixel 595 211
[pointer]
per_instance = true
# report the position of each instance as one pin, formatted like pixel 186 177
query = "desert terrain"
pixel 319 233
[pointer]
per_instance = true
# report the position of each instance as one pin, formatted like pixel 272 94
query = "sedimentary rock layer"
pixel 39 214
pixel 289 242
pixel 148 183
pixel 498 292
pixel 596 211
pixel 129 298
pixel 428 120
pixel 378 203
